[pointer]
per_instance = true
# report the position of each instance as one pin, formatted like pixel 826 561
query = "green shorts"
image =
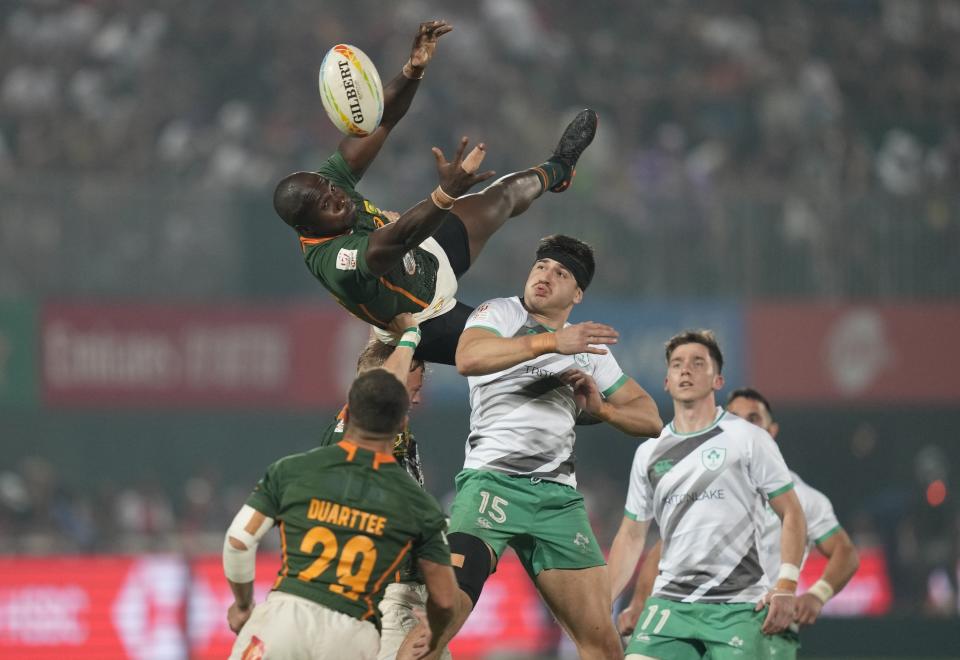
pixel 783 646
pixel 544 522
pixel 669 630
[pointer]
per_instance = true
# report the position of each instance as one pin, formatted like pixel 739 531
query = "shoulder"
pixel 497 313
pixel 739 428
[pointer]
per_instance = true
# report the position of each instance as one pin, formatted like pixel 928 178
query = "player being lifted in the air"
pixel 378 269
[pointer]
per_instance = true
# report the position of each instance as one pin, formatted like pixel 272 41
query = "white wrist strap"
pixel 822 590
pixel 789 572
pixel 410 338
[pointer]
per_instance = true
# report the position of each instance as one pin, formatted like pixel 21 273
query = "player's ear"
pixel 718 382
pixel 666 385
pixel 773 429
pixel 578 296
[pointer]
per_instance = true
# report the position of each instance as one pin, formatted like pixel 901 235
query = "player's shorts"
pixel 669 630
pixel 784 646
pixel 443 320
pixel 544 522
pixel 288 626
pixel 399 601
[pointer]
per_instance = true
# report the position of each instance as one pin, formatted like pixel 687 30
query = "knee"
pixel 472 563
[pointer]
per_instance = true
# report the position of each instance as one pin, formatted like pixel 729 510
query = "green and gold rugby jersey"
pixel 339 262
pixel 348 519
pixel 405 451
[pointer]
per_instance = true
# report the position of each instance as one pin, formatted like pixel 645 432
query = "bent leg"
pixel 439 336
pixel 580 600
pixel 483 213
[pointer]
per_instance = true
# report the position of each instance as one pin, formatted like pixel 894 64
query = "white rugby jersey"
pixel 521 418
pixel 706 491
pixel 822 523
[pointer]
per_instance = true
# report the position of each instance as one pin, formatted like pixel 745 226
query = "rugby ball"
pixel 351 90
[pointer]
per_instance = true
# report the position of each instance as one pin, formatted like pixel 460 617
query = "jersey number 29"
pixel 346 578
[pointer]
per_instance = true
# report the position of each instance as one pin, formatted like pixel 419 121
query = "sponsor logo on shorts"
pixel 483 522
pixel 346 259
pixel 735 641
pixel 409 263
pixel 713 457
pixel 255 650
pixel 643 637
pixel 581 541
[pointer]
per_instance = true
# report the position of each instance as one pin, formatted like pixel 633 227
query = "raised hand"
pixel 459 175
pixel 577 338
pixel 425 42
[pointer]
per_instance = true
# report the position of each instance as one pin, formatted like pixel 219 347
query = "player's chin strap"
pixel 240 565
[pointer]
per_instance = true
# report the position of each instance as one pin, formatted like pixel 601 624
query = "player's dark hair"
pixel 290 198
pixel 375 353
pixel 378 403
pixel 575 255
pixel 704 337
pixel 752 394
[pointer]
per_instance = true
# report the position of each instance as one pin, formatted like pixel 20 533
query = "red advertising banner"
pixel 191 356
pixel 837 354
pixel 869 592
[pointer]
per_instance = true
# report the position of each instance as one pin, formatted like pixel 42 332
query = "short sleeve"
pixel 500 316
pixel 432 544
pixel 822 522
pixel 265 498
pixel 768 471
pixel 335 169
pixel 341 263
pixel 607 373
pixel 639 504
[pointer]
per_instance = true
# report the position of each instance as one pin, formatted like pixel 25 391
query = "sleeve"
pixel 265 498
pixel 767 469
pixel 499 316
pixel 432 544
pixel 639 504
pixel 335 169
pixel 822 522
pixel 341 262
pixel 608 374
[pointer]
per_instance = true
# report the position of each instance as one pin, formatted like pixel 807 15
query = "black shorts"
pixel 439 335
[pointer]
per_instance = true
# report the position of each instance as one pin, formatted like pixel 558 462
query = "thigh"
pixel 440 335
pixel 453 238
pixel 580 600
pixel 397 608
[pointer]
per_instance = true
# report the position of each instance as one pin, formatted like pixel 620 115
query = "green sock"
pixel 551 173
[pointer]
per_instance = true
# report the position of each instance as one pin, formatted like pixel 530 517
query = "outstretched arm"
pixel 389 243
pixel 397 97
pixel 625 553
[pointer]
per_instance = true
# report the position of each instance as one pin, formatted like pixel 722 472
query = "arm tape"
pixel 240 566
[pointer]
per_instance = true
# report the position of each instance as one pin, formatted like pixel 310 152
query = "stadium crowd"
pixel 750 123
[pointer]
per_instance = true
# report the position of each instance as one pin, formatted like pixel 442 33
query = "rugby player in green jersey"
pixel 348 516
pixel 403 599
pixel 377 269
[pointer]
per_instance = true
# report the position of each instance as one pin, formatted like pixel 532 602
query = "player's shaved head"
pixel 377 403
pixel 293 195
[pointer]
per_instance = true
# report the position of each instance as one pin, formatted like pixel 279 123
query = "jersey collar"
pixel 379 457
pixel 716 420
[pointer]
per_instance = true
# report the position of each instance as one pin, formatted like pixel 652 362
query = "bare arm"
pixel 442 601
pixel 625 553
pixel 389 243
pixel 646 578
pixel 842 563
pixel 481 352
pixel 402 357
pixel 240 550
pixel 630 409
pixel 398 94
pixel 782 599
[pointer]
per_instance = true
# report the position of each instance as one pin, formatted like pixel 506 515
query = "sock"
pixel 552 172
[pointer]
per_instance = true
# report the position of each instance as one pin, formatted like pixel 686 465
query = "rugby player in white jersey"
pixel 823 531
pixel 705 481
pixel 530 374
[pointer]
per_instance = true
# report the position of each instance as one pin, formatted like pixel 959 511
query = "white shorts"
pixel 444 295
pixel 288 627
pixel 399 601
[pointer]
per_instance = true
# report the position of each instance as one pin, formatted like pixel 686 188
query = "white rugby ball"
pixel 351 90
